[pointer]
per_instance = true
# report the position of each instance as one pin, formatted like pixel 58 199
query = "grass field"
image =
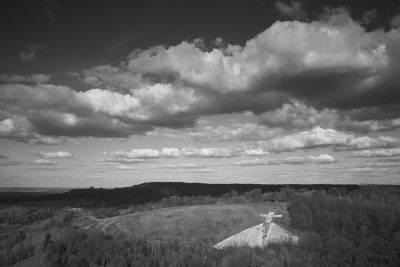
pixel 206 223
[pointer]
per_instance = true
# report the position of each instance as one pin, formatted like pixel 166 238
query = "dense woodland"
pixel 338 226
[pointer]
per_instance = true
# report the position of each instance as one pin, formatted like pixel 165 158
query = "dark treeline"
pixel 147 192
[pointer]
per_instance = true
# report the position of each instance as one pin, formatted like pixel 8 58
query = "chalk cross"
pixel 268 219
pixel 270 216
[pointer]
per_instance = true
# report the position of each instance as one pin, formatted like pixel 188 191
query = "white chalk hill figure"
pixel 260 235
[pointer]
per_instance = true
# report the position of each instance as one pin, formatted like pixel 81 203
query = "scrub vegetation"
pixel 337 226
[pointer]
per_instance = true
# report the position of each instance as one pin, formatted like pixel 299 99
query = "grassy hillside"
pixel 207 223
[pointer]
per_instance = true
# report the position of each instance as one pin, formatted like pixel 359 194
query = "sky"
pixel 117 93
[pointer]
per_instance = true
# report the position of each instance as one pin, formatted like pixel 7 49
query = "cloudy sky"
pixel 116 93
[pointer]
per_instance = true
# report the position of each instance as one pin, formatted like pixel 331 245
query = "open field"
pixel 207 223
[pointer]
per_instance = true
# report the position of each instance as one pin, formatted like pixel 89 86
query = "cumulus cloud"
pixel 337 63
pixel 34 78
pixel 256 151
pixel 181 166
pixel 145 153
pixel 255 162
pixel 53 155
pixel 59 110
pixel 389 152
pixel 230 132
pixel 321 159
pixel 211 152
pixel 318 137
pixel 306 139
pixel 46 162
pixel 19 129
pixel 139 155
pixel 331 63
pixel 296 115
pixel 366 142
pixel 294 10
pixel 284 142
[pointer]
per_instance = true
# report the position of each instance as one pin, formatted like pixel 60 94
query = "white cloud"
pixel 255 162
pixel 389 152
pixel 230 132
pixel 305 139
pixel 180 166
pixel 366 142
pixel 46 162
pixel 323 137
pixel 321 159
pixel 211 152
pixel 255 152
pixel 53 155
pixel 138 155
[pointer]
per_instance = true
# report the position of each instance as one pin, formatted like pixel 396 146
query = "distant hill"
pixel 143 193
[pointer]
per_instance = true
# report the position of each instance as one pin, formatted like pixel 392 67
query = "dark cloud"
pixel 294 10
pixel 49 9
pixel 369 16
pixel 30 52
pixel 395 21
pixel 34 78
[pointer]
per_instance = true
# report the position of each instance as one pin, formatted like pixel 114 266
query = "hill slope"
pixel 206 223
